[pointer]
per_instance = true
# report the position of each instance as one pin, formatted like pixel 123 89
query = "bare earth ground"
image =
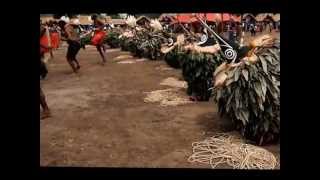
pixel 100 118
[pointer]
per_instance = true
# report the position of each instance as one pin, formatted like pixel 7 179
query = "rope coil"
pixel 225 149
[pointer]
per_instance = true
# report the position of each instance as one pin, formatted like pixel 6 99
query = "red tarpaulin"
pixel 216 17
pixel 229 17
pixel 184 18
pixel 189 18
pixel 212 17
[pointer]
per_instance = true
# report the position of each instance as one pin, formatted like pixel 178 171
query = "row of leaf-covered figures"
pixel 207 42
pixel 190 41
pixel 236 57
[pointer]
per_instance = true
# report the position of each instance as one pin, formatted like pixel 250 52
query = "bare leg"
pixel 70 61
pixel 71 56
pixel 101 53
pixel 77 62
pixel 51 53
pixel 45 58
pixel 75 55
pixel 46 112
pixel 104 48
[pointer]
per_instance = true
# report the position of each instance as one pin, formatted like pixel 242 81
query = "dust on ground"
pixel 99 118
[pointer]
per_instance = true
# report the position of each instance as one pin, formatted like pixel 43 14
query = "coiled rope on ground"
pixel 226 149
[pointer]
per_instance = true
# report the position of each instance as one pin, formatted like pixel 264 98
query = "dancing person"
pixel 99 35
pixel 72 33
pixel 43 72
pixel 44 48
pixel 49 34
pixel 55 35
pixel 45 39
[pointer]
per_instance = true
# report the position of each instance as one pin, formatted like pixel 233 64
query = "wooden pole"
pixel 222 23
pixel 241 31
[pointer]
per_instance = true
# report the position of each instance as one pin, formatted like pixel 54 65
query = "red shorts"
pixel 44 41
pixel 98 37
pixel 55 40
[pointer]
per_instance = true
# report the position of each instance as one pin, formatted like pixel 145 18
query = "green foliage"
pixel 175 57
pixel 251 97
pixel 150 48
pixel 143 44
pixel 112 39
pixel 85 40
pixel 197 70
pixel 125 43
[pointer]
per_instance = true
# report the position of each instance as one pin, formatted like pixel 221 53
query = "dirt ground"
pixel 100 119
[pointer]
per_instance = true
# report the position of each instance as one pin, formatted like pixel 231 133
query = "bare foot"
pixel 45 114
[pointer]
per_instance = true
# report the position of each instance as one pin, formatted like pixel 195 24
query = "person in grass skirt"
pixel 99 35
pixel 46 39
pixel 55 35
pixel 43 72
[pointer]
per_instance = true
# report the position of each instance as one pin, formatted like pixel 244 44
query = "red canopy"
pixel 213 17
pixel 184 18
pixel 228 17
pixel 189 18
